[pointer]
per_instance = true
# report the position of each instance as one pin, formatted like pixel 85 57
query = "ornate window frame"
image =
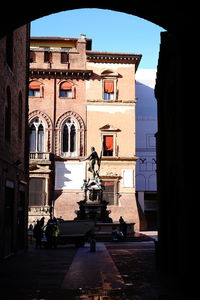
pixel 68 124
pixel 37 122
pixel 48 127
pixel 80 141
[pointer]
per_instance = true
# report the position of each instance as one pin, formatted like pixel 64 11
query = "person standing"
pixel 123 227
pixel 37 234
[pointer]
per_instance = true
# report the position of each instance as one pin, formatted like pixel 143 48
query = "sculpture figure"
pixel 93 159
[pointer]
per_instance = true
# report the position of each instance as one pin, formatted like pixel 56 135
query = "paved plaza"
pixel 117 270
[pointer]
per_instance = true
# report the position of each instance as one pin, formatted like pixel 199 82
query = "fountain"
pixel 93 206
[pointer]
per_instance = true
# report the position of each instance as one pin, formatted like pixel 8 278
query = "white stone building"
pixel 146 128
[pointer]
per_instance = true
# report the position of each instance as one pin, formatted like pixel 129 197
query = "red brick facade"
pixel 65 86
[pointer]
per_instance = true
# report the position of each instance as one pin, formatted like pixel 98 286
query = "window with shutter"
pixel 66 89
pixel 34 89
pixel 109 192
pixel 36 191
pixel 108 145
pixel 109 90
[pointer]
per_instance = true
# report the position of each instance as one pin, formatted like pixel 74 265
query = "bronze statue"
pixel 94 158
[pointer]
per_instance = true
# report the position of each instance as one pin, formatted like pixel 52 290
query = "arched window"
pixel 69 138
pixel 8 116
pixel 20 118
pixel 66 89
pixel 36 136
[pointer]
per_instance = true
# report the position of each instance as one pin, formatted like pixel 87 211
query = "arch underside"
pixel 163 13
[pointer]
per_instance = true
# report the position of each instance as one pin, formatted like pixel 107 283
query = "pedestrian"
pixel 123 227
pixel 30 233
pixel 55 233
pixel 37 234
pixel 42 222
pixel 49 234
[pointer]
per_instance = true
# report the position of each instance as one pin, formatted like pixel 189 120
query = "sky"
pixel 109 30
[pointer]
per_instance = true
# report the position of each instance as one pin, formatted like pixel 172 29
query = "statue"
pixel 93 206
pixel 94 158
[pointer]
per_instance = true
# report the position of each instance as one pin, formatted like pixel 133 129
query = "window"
pixel 108 145
pixel 109 192
pixel 66 89
pixel 69 138
pixel 36 191
pixel 64 57
pixel 36 136
pixel 34 89
pixel 128 178
pixel 108 90
pixel 32 57
pixel 8 115
pixel 47 56
pixel 150 141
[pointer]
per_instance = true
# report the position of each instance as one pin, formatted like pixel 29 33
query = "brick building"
pixel 79 98
pixel 14 51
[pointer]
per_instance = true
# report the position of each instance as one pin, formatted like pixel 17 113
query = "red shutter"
pixel 108 183
pixel 66 86
pixel 108 139
pixel 34 85
pixel 109 87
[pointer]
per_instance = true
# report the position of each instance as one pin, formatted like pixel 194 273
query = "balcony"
pixel 40 157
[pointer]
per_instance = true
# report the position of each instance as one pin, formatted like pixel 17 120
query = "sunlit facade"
pixel 80 98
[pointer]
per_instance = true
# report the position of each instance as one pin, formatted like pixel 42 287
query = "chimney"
pixel 83 36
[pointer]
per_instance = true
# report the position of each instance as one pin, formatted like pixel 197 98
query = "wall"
pixel 146 128
pixel 14 151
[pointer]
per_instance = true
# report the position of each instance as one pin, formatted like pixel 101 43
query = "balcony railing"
pixel 46 156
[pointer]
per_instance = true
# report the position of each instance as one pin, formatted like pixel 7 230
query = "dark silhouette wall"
pixel 173 92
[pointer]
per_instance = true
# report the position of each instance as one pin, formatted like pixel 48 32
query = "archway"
pixel 155 12
pixel 173 49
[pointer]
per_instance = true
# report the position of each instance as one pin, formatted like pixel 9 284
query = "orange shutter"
pixel 108 183
pixel 109 87
pixel 66 86
pixel 34 85
pixel 108 142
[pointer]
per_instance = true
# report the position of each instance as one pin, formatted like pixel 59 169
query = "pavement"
pixel 93 270
pixel 117 270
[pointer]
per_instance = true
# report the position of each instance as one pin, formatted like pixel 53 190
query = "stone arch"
pixel 152 12
pixel 180 23
pixel 152 185
pixel 140 182
pixel 44 116
pixel 67 115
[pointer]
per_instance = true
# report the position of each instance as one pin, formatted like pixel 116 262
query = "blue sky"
pixel 109 30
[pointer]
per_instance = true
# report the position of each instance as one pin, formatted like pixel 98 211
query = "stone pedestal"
pixel 93 207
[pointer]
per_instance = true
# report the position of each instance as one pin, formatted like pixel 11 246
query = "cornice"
pixel 126 58
pixel 59 73
pixel 118 159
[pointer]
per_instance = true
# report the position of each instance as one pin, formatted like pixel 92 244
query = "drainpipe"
pixel 54 119
pixel 53 148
